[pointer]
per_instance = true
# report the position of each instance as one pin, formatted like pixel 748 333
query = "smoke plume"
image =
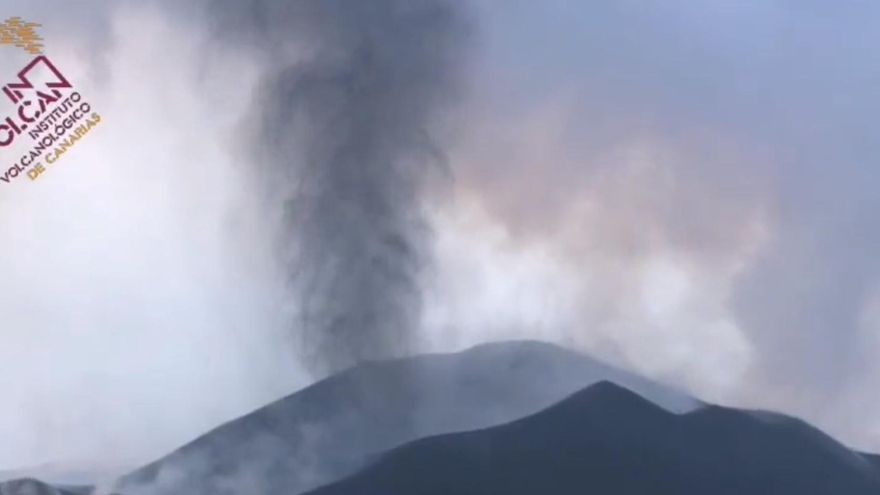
pixel 344 123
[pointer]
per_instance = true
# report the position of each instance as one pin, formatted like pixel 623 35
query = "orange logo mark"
pixel 15 31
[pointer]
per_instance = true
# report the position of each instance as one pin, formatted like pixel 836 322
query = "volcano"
pixel 609 440
pixel 513 418
pixel 341 424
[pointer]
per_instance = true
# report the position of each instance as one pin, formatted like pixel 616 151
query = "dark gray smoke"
pixel 344 118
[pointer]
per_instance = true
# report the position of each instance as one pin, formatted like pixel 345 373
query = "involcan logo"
pixel 48 116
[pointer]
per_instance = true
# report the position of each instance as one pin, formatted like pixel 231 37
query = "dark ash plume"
pixel 347 124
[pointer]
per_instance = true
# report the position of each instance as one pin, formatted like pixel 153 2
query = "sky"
pixel 685 189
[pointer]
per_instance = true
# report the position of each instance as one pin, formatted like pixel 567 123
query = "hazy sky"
pixel 687 189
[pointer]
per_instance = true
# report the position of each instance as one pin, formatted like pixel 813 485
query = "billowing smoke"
pixel 344 123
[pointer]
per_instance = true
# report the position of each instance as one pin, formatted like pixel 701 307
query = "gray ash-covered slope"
pixel 30 486
pixel 335 427
pixel 608 440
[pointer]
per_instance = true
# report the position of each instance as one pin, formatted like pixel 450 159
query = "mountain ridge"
pixel 336 426
pixel 607 439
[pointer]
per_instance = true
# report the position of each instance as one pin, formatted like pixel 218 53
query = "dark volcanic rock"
pixel 335 427
pixel 608 440
pixel 30 486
